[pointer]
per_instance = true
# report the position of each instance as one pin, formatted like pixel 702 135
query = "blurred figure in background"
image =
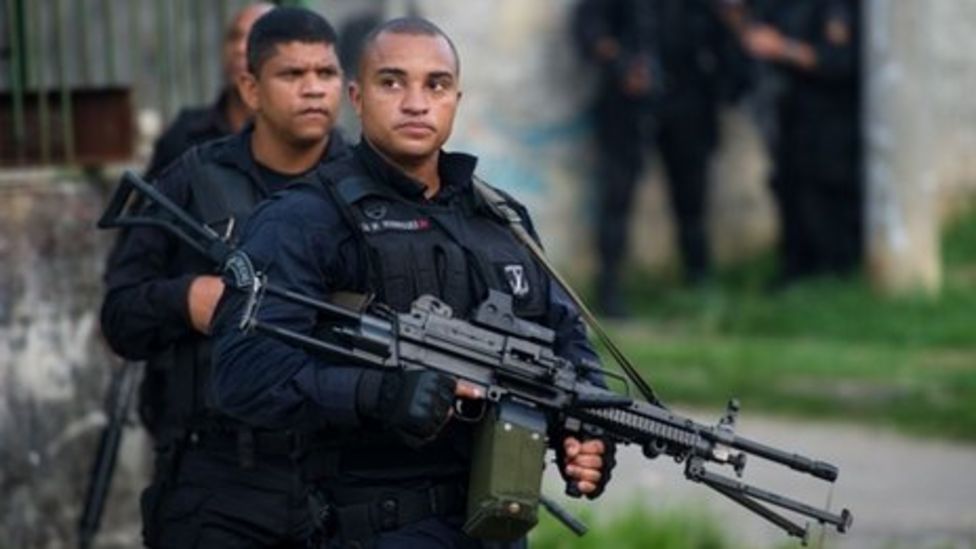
pixel 813 47
pixel 228 114
pixel 659 63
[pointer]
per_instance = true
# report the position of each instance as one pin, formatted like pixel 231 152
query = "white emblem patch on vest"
pixel 516 280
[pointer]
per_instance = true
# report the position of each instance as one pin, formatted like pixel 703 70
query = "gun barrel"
pixel 819 469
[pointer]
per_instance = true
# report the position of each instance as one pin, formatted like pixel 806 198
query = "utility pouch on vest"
pixel 506 473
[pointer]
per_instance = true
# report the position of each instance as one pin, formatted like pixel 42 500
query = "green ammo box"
pixel 506 473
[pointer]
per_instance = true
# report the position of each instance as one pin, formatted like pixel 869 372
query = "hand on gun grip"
pixel 415 404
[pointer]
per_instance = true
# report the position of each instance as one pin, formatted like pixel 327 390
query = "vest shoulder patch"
pixel 517 280
pixel 238 265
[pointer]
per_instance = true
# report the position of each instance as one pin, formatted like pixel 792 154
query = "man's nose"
pixel 415 101
pixel 313 85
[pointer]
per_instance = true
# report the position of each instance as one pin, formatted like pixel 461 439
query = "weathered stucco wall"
pixel 53 366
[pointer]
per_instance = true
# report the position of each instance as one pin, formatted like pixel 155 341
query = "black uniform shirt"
pixel 149 272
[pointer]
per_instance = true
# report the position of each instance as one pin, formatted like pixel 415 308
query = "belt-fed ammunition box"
pixel 506 473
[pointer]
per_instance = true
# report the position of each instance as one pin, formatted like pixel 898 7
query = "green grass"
pixel 826 348
pixel 637 528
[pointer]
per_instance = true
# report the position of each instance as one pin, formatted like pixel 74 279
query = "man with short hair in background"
pixel 218 482
pixel 228 114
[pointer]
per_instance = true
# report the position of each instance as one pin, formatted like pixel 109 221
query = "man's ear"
pixel 356 97
pixel 247 87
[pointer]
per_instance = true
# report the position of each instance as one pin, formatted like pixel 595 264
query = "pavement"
pixel 904 492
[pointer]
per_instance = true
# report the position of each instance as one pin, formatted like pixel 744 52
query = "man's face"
pixel 407 95
pixel 296 92
pixel 234 53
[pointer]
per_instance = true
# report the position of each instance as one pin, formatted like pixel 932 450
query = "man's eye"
pixel 391 83
pixel 438 86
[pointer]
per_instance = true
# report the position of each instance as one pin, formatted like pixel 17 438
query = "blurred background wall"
pixel 920 134
pixel 524 113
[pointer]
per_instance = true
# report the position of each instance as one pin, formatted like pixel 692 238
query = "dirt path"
pixel 905 493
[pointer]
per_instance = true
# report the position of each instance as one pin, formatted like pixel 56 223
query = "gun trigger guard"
pixel 469 411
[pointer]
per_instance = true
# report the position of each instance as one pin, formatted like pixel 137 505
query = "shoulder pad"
pixel 217 149
pixel 354 188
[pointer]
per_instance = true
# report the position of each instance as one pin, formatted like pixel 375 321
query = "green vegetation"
pixel 827 348
pixel 637 528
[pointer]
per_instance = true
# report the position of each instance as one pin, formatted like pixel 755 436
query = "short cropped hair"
pixel 282 25
pixel 411 25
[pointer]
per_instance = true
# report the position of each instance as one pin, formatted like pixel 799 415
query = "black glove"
pixel 609 462
pixel 416 404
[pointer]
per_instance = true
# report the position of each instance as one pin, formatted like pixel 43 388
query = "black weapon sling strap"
pixel 501 207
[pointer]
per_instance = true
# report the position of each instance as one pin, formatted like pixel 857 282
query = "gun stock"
pixel 120 396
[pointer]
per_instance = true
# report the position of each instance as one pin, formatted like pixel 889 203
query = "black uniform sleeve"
pixel 563 316
pixel 145 307
pixel 260 380
pixel 571 340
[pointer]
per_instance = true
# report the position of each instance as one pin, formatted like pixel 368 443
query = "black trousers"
pixel 819 194
pixel 432 533
pixel 203 497
pixel 683 138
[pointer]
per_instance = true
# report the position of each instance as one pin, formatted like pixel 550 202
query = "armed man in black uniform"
pixel 817 179
pixel 659 63
pixel 400 218
pixel 218 482
pixel 228 114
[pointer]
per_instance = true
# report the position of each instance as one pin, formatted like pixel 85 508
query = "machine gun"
pixel 512 360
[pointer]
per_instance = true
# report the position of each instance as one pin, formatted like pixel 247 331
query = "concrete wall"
pixel 921 131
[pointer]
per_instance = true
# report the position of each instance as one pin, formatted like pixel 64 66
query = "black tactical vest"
pixel 455 252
